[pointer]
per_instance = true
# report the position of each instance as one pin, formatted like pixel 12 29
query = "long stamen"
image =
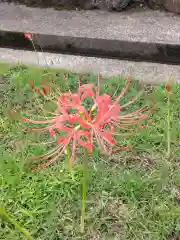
pixel 122 134
pixel 49 154
pixel 132 101
pixel 51 120
pixel 43 143
pixel 124 90
pixel 100 142
pixel 123 126
pixel 40 116
pixel 41 166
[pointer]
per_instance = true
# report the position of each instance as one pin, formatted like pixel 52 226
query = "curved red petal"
pixel 107 137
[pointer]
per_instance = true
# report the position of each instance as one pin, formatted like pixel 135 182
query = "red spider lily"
pixel 82 125
pixel 28 35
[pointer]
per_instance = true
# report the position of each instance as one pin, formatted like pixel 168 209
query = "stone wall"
pixel 118 5
pixel 169 5
pixel 48 3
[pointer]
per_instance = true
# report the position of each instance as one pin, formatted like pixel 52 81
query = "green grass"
pixel 129 196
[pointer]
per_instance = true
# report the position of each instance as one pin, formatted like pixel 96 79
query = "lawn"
pixel 131 195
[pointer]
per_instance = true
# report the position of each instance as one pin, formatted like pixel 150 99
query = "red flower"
pixel 75 123
pixel 168 87
pixel 28 35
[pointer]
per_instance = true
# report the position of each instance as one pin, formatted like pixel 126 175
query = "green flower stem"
pixel 84 191
pixel 35 50
pixel 45 57
pixel 6 216
pixel 68 157
pixel 168 127
pixel 68 153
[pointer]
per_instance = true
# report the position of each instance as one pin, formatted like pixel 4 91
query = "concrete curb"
pixel 104 48
pixel 152 73
pixel 146 36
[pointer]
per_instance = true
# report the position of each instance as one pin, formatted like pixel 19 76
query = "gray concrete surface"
pixel 147 72
pixel 144 26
